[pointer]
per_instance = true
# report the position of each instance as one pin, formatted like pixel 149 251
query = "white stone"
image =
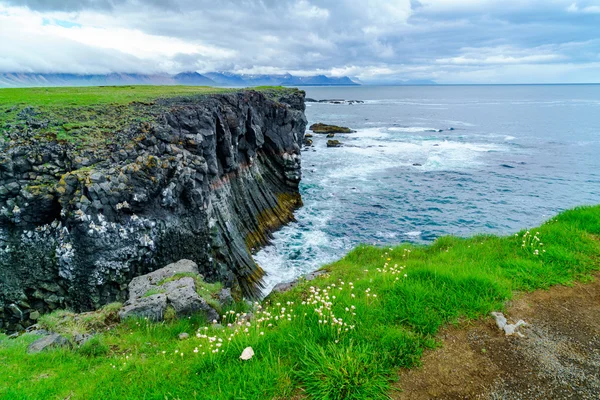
pixel 247 354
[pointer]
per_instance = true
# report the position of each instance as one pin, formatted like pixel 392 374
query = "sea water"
pixel 427 161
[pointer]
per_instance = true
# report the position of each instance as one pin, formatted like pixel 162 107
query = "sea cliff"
pixel 92 195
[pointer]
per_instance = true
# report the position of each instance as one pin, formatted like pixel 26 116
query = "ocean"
pixel 427 161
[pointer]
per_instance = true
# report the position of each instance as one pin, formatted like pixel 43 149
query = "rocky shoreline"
pixel 206 178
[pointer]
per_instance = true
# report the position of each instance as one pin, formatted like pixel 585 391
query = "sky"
pixel 375 41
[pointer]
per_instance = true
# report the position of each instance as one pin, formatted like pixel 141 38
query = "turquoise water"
pixel 516 156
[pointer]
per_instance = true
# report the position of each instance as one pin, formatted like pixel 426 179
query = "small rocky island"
pixel 329 129
pixel 112 183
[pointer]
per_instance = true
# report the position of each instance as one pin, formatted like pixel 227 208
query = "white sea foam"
pixel 408 102
pixel 372 150
pixel 413 233
pixel 509 138
pixel 376 133
pixel 297 250
pixel 387 235
pixel 410 129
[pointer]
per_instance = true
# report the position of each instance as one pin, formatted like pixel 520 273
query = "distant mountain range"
pixel 231 79
pixel 185 78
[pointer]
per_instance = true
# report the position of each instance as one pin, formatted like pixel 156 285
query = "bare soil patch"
pixel 559 357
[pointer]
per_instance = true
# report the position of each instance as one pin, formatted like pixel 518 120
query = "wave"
pixel 411 129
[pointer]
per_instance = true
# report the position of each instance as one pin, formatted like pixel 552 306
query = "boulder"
pixel 151 307
pixel 334 143
pixel 140 285
pixel 172 286
pixel 81 339
pixel 47 342
pixel 182 296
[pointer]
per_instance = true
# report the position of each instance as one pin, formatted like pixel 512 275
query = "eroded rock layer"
pixel 206 179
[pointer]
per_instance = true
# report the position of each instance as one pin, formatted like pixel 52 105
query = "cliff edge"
pixel 92 195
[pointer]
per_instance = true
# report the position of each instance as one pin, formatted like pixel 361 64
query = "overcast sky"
pixel 449 41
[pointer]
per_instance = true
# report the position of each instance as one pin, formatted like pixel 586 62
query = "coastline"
pixel 341 335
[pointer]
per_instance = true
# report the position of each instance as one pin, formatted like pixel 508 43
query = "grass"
pixel 90 115
pixel 341 336
pixel 96 95
pixel 70 324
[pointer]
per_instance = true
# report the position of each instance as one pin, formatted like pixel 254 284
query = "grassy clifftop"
pixel 341 336
pixel 91 114
pixel 91 96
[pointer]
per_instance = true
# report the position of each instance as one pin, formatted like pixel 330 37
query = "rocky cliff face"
pixel 206 179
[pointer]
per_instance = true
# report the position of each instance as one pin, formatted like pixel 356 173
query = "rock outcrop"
pixel 47 342
pixel 327 129
pixel 172 286
pixel 205 178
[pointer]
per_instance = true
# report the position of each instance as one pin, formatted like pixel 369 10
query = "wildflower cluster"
pixel 395 269
pixel 323 300
pixel 239 325
pixel 532 243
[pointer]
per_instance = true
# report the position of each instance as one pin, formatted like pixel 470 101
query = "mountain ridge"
pixel 28 79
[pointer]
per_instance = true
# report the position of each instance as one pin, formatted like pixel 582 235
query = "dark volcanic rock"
pixel 324 128
pixel 203 178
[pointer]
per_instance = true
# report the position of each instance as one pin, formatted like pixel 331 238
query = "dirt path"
pixel 559 357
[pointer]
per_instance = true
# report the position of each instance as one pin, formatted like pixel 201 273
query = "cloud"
pixel 501 55
pixel 447 40
pixel 79 5
pixel 591 9
pixel 306 10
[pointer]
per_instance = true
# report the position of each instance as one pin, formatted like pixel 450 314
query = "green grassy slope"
pixel 341 336
pixel 90 115
pixel 96 95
